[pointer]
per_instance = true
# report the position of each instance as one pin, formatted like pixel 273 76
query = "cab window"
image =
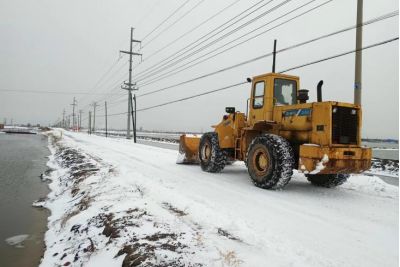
pixel 258 94
pixel 285 92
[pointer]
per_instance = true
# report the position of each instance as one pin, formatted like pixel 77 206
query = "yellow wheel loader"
pixel 281 132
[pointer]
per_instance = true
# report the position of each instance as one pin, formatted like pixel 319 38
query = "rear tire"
pixel 328 180
pixel 270 161
pixel 212 157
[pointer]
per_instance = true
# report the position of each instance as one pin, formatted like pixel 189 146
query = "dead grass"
pixel 83 204
pixel 173 209
pixel 230 258
pixel 228 235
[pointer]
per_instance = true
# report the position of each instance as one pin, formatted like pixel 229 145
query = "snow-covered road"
pixel 353 225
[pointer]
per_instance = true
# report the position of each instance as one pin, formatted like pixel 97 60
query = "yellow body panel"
pixel 230 129
pixel 332 160
pixel 299 123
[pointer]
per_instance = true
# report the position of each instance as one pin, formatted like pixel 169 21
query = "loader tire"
pixel 270 161
pixel 327 180
pixel 212 157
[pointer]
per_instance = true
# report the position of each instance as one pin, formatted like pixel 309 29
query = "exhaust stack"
pixel 319 91
pixel 274 57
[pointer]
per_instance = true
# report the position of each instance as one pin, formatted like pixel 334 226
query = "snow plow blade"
pixel 188 149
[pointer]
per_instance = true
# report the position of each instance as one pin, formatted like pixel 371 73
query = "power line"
pixel 386 16
pixel 174 71
pixel 202 23
pixel 176 21
pixel 144 38
pixel 159 25
pixel 146 15
pixel 185 98
pixel 247 14
pixel 179 58
pixel 116 83
pixel 288 48
pixel 156 65
pixel 389 15
pixel 194 96
pixel 286 70
pixel 204 76
pixel 340 55
pixel 53 92
pixel 107 72
pixel 101 81
pixel 103 76
pixel 192 29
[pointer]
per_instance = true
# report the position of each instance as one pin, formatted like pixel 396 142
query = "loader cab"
pixel 270 90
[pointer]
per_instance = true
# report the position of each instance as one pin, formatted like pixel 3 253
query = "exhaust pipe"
pixel 274 57
pixel 319 91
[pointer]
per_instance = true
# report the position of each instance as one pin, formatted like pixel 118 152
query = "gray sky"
pixel 67 46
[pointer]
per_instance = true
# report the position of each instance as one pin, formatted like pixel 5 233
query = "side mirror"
pixel 230 110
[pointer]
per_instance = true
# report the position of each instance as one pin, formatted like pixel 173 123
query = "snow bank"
pixel 372 185
pixel 98 219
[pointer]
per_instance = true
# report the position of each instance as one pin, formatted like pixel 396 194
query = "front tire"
pixel 328 180
pixel 212 157
pixel 270 161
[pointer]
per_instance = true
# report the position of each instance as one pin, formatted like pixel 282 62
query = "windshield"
pixel 285 92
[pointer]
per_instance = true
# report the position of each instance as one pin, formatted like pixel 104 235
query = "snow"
pixel 218 219
pixel 40 203
pixel 311 145
pixel 321 165
pixel 180 158
pixel 193 135
pixel 17 240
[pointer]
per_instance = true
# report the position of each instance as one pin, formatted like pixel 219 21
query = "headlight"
pixel 334 110
pixel 353 112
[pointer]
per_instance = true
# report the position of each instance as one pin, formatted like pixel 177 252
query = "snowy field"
pixel 116 203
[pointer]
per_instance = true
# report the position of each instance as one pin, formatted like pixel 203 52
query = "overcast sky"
pixel 73 47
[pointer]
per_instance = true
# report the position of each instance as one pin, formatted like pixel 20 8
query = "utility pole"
pixel 135 124
pixel 129 86
pixel 94 116
pixel 63 121
pixel 105 106
pixel 80 119
pixel 90 123
pixel 73 114
pixel 358 60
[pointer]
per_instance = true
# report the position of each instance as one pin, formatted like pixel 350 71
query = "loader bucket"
pixel 188 149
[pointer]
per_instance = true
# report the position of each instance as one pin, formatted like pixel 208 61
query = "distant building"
pixel 1 126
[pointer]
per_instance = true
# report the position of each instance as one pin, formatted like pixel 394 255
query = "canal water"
pixel 22 160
